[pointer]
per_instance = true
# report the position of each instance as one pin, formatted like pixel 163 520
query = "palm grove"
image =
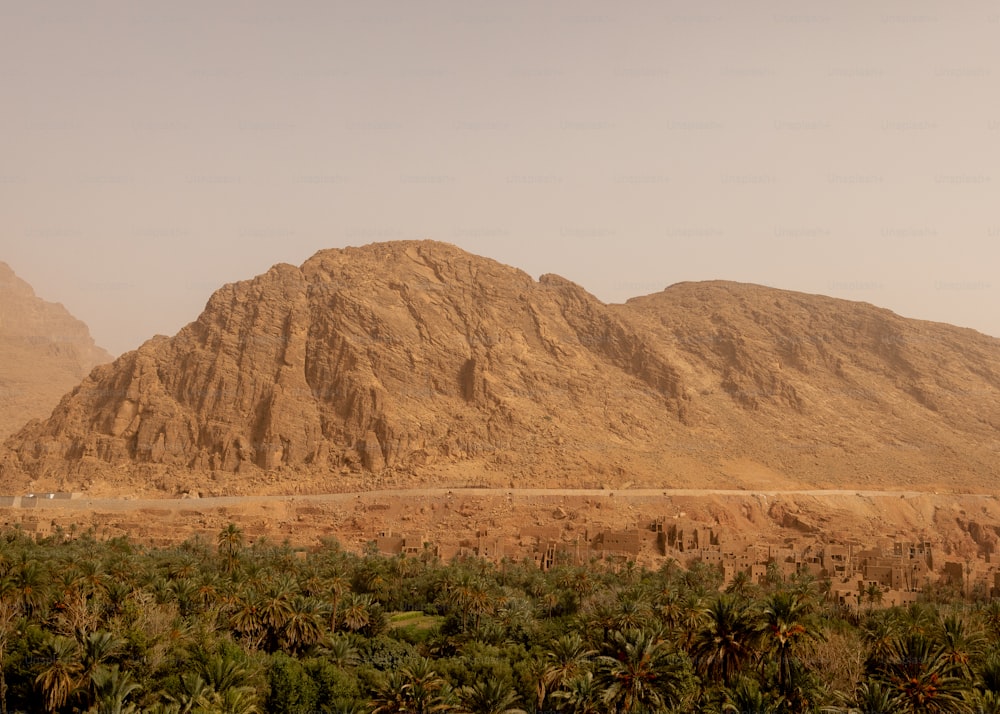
pixel 106 626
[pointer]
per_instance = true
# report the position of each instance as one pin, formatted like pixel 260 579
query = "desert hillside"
pixel 415 362
pixel 44 352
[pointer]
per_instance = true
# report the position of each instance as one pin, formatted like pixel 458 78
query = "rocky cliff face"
pixel 843 392
pixel 392 356
pixel 44 352
pixel 415 361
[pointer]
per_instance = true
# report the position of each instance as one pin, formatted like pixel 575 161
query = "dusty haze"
pixel 153 152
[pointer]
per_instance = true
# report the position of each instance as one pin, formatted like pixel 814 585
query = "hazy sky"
pixel 152 151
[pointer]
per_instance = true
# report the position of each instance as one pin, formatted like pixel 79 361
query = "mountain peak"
pixel 415 361
pixel 44 351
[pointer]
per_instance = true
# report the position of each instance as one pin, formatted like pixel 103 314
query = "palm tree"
pixel 640 670
pixel 961 643
pixel 246 617
pixel 550 600
pixel 747 697
pixel 631 612
pixel 310 582
pixel 480 604
pixel 66 585
pixel 238 700
pixel 376 583
pixel 989 673
pixel 691 618
pixel 490 696
pixel 985 702
pixel 785 629
pixel 194 692
pixel 872 696
pixel 338 585
pixel 602 618
pixel 275 609
pixel 873 595
pixel 425 687
pixel 391 696
pixel 62 667
pixel 881 630
pixel 303 626
pixel 208 590
pixel 230 544
pixel 224 673
pixel 181 564
pixel 991 618
pixel 727 640
pixel 183 590
pixel 773 577
pixel 98 648
pixel 113 687
pixel 8 620
pixel 92 577
pixel 924 679
pixel 357 611
pixel 28 585
pixel 581 694
pixel 920 617
pixel 669 607
pixel 568 656
pixel 340 651
pixel 415 689
pixel 515 615
pixel 465 590
pixel 581 583
pixel 741 585
pixel 224 688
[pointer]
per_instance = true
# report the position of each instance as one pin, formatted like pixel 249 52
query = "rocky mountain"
pixel 44 352
pixel 838 392
pixel 415 362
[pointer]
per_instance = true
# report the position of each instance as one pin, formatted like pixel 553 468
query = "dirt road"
pixel 510 518
pixel 84 503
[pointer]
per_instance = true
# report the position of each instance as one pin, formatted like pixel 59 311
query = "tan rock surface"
pixel 838 392
pixel 960 527
pixel 44 352
pixel 414 362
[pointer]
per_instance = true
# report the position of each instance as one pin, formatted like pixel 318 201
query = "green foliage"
pixel 338 689
pixel 641 671
pixel 291 688
pixel 229 626
pixel 385 653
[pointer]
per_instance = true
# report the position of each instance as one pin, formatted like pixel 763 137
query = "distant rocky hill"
pixel 44 352
pixel 837 392
pixel 410 362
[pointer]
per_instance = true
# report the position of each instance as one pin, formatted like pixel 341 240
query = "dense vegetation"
pixel 111 626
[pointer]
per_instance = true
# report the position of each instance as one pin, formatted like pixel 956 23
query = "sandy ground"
pixel 959 525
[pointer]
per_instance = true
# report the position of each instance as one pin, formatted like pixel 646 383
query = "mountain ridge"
pixel 415 361
pixel 44 351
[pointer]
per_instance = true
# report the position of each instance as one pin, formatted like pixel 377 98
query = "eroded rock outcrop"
pixel 44 352
pixel 384 357
pixel 417 360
